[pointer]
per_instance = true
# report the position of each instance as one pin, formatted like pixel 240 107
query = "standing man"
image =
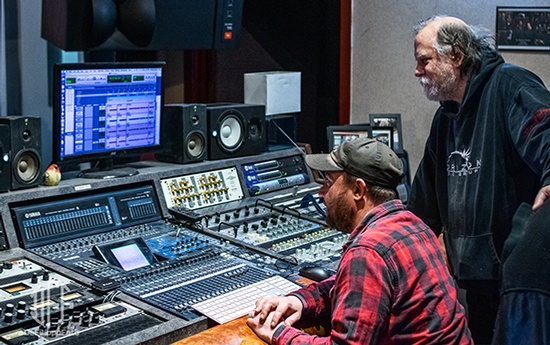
pixel 487 152
pixel 392 285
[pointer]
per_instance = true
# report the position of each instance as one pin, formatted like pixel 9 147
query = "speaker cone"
pixel 196 144
pixel 255 129
pixel 231 132
pixel 26 167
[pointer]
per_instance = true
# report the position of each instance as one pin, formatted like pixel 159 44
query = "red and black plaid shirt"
pixel 392 287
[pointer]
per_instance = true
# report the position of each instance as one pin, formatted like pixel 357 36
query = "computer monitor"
pixel 103 112
pixel 338 134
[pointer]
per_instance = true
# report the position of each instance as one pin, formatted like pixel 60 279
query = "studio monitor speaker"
pixel 183 133
pixel 235 130
pixel 5 172
pixel 22 153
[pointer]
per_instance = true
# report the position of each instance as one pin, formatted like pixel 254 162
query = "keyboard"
pixel 240 302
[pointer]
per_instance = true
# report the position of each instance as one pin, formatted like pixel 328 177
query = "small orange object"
pixel 52 175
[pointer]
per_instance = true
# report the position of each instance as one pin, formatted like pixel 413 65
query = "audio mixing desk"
pixel 174 243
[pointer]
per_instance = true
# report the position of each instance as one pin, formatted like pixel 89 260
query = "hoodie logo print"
pixel 459 164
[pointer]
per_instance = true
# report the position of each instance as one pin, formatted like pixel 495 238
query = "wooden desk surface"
pixel 234 332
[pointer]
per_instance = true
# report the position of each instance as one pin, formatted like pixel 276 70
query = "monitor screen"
pixel 128 254
pixel 338 134
pixel 130 257
pixel 102 111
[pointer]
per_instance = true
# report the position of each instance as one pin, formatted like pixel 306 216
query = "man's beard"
pixel 442 86
pixel 340 214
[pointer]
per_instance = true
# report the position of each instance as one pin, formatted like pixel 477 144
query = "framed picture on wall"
pixel 523 28
pixel 383 134
pixel 336 135
pixel 394 122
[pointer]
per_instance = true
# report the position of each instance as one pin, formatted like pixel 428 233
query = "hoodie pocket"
pixel 472 257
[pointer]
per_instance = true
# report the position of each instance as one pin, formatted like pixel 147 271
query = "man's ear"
pixel 456 57
pixel 360 189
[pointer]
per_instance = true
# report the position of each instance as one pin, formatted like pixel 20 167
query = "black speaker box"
pixel 183 133
pixel 141 24
pixel 235 130
pixel 5 172
pixel 24 142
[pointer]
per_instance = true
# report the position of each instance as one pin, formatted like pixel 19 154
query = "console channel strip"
pixel 284 232
pixel 157 261
pixel 38 306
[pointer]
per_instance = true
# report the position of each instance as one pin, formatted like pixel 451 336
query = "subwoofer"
pixel 183 133
pixel 235 129
pixel 23 151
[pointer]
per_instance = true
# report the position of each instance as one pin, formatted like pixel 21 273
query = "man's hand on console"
pixel 270 312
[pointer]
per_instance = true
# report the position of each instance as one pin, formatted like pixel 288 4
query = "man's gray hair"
pixel 458 40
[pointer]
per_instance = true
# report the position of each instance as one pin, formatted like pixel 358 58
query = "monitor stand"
pixel 108 170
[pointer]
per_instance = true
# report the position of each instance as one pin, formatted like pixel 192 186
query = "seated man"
pixel 392 285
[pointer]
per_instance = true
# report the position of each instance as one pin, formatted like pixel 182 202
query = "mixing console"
pixel 120 239
pixel 160 262
pixel 38 306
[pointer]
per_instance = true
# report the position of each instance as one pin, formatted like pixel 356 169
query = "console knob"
pixel 34 278
pixel 9 308
pixel 46 275
pixel 8 317
pixel 20 314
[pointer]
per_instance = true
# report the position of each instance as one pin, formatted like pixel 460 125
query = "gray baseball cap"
pixel 366 158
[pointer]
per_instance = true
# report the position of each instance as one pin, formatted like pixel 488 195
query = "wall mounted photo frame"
pixel 523 28
pixel 393 121
pixel 340 133
pixel 383 134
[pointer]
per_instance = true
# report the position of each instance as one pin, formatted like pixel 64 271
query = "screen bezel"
pixel 107 155
pixel 105 252
pixel 354 128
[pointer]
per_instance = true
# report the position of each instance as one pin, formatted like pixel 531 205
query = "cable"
pixel 309 199
pixel 288 137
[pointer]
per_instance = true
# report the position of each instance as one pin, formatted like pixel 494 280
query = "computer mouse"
pixel 316 273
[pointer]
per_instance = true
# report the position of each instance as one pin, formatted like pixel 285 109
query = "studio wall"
pixel 382 68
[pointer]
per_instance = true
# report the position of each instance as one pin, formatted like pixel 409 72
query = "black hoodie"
pixel 482 159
